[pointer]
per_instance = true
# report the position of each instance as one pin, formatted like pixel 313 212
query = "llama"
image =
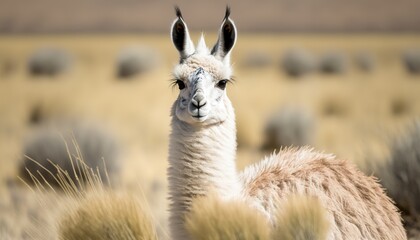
pixel 202 153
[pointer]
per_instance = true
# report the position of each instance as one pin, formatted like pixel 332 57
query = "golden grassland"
pixel 137 110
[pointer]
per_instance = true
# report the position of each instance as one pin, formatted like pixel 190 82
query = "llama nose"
pixel 198 100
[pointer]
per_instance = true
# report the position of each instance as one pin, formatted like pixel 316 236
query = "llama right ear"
pixel 181 37
pixel 227 38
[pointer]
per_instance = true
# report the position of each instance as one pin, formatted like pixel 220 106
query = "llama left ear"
pixel 181 36
pixel 227 38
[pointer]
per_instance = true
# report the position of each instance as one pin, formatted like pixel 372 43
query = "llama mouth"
pixel 199 118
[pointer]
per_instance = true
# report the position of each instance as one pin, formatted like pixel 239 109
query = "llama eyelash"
pixel 173 82
pixel 228 80
pixel 232 79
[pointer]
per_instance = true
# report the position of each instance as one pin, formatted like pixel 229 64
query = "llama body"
pixel 203 149
pixel 357 207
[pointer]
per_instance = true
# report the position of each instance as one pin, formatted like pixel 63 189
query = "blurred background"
pixel 342 76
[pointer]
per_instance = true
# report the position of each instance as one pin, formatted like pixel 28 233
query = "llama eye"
pixel 222 84
pixel 181 84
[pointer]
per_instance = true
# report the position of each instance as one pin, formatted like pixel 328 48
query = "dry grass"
pixel 108 217
pixel 298 62
pixel 211 218
pixel 333 63
pixel 48 62
pixel 138 111
pixel 411 60
pixel 301 218
pixel 298 218
pixel 92 211
pixel 290 126
pixel 400 170
pixel 135 60
pixel 50 146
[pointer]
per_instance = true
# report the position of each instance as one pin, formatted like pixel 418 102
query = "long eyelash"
pixel 173 82
pixel 231 80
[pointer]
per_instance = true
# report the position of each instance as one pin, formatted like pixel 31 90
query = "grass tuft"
pixel 411 61
pixel 49 148
pixel 133 61
pixel 48 62
pixel 301 218
pixel 333 63
pixel 214 219
pixel 91 211
pixel 107 216
pixel 400 107
pixel 399 173
pixel 288 127
pixel 297 62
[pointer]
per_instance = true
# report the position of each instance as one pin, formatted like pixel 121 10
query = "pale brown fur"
pixel 356 205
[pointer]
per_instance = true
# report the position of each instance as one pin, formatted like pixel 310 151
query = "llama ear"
pixel 181 37
pixel 227 38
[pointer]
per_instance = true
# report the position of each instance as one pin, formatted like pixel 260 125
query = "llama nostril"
pixel 194 103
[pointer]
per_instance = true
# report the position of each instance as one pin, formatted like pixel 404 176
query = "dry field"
pixel 355 112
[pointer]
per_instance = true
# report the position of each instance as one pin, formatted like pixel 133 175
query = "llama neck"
pixel 201 160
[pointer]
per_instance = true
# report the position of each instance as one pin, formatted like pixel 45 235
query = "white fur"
pixel 201 159
pixel 202 47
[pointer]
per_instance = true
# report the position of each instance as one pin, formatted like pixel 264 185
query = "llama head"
pixel 201 74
